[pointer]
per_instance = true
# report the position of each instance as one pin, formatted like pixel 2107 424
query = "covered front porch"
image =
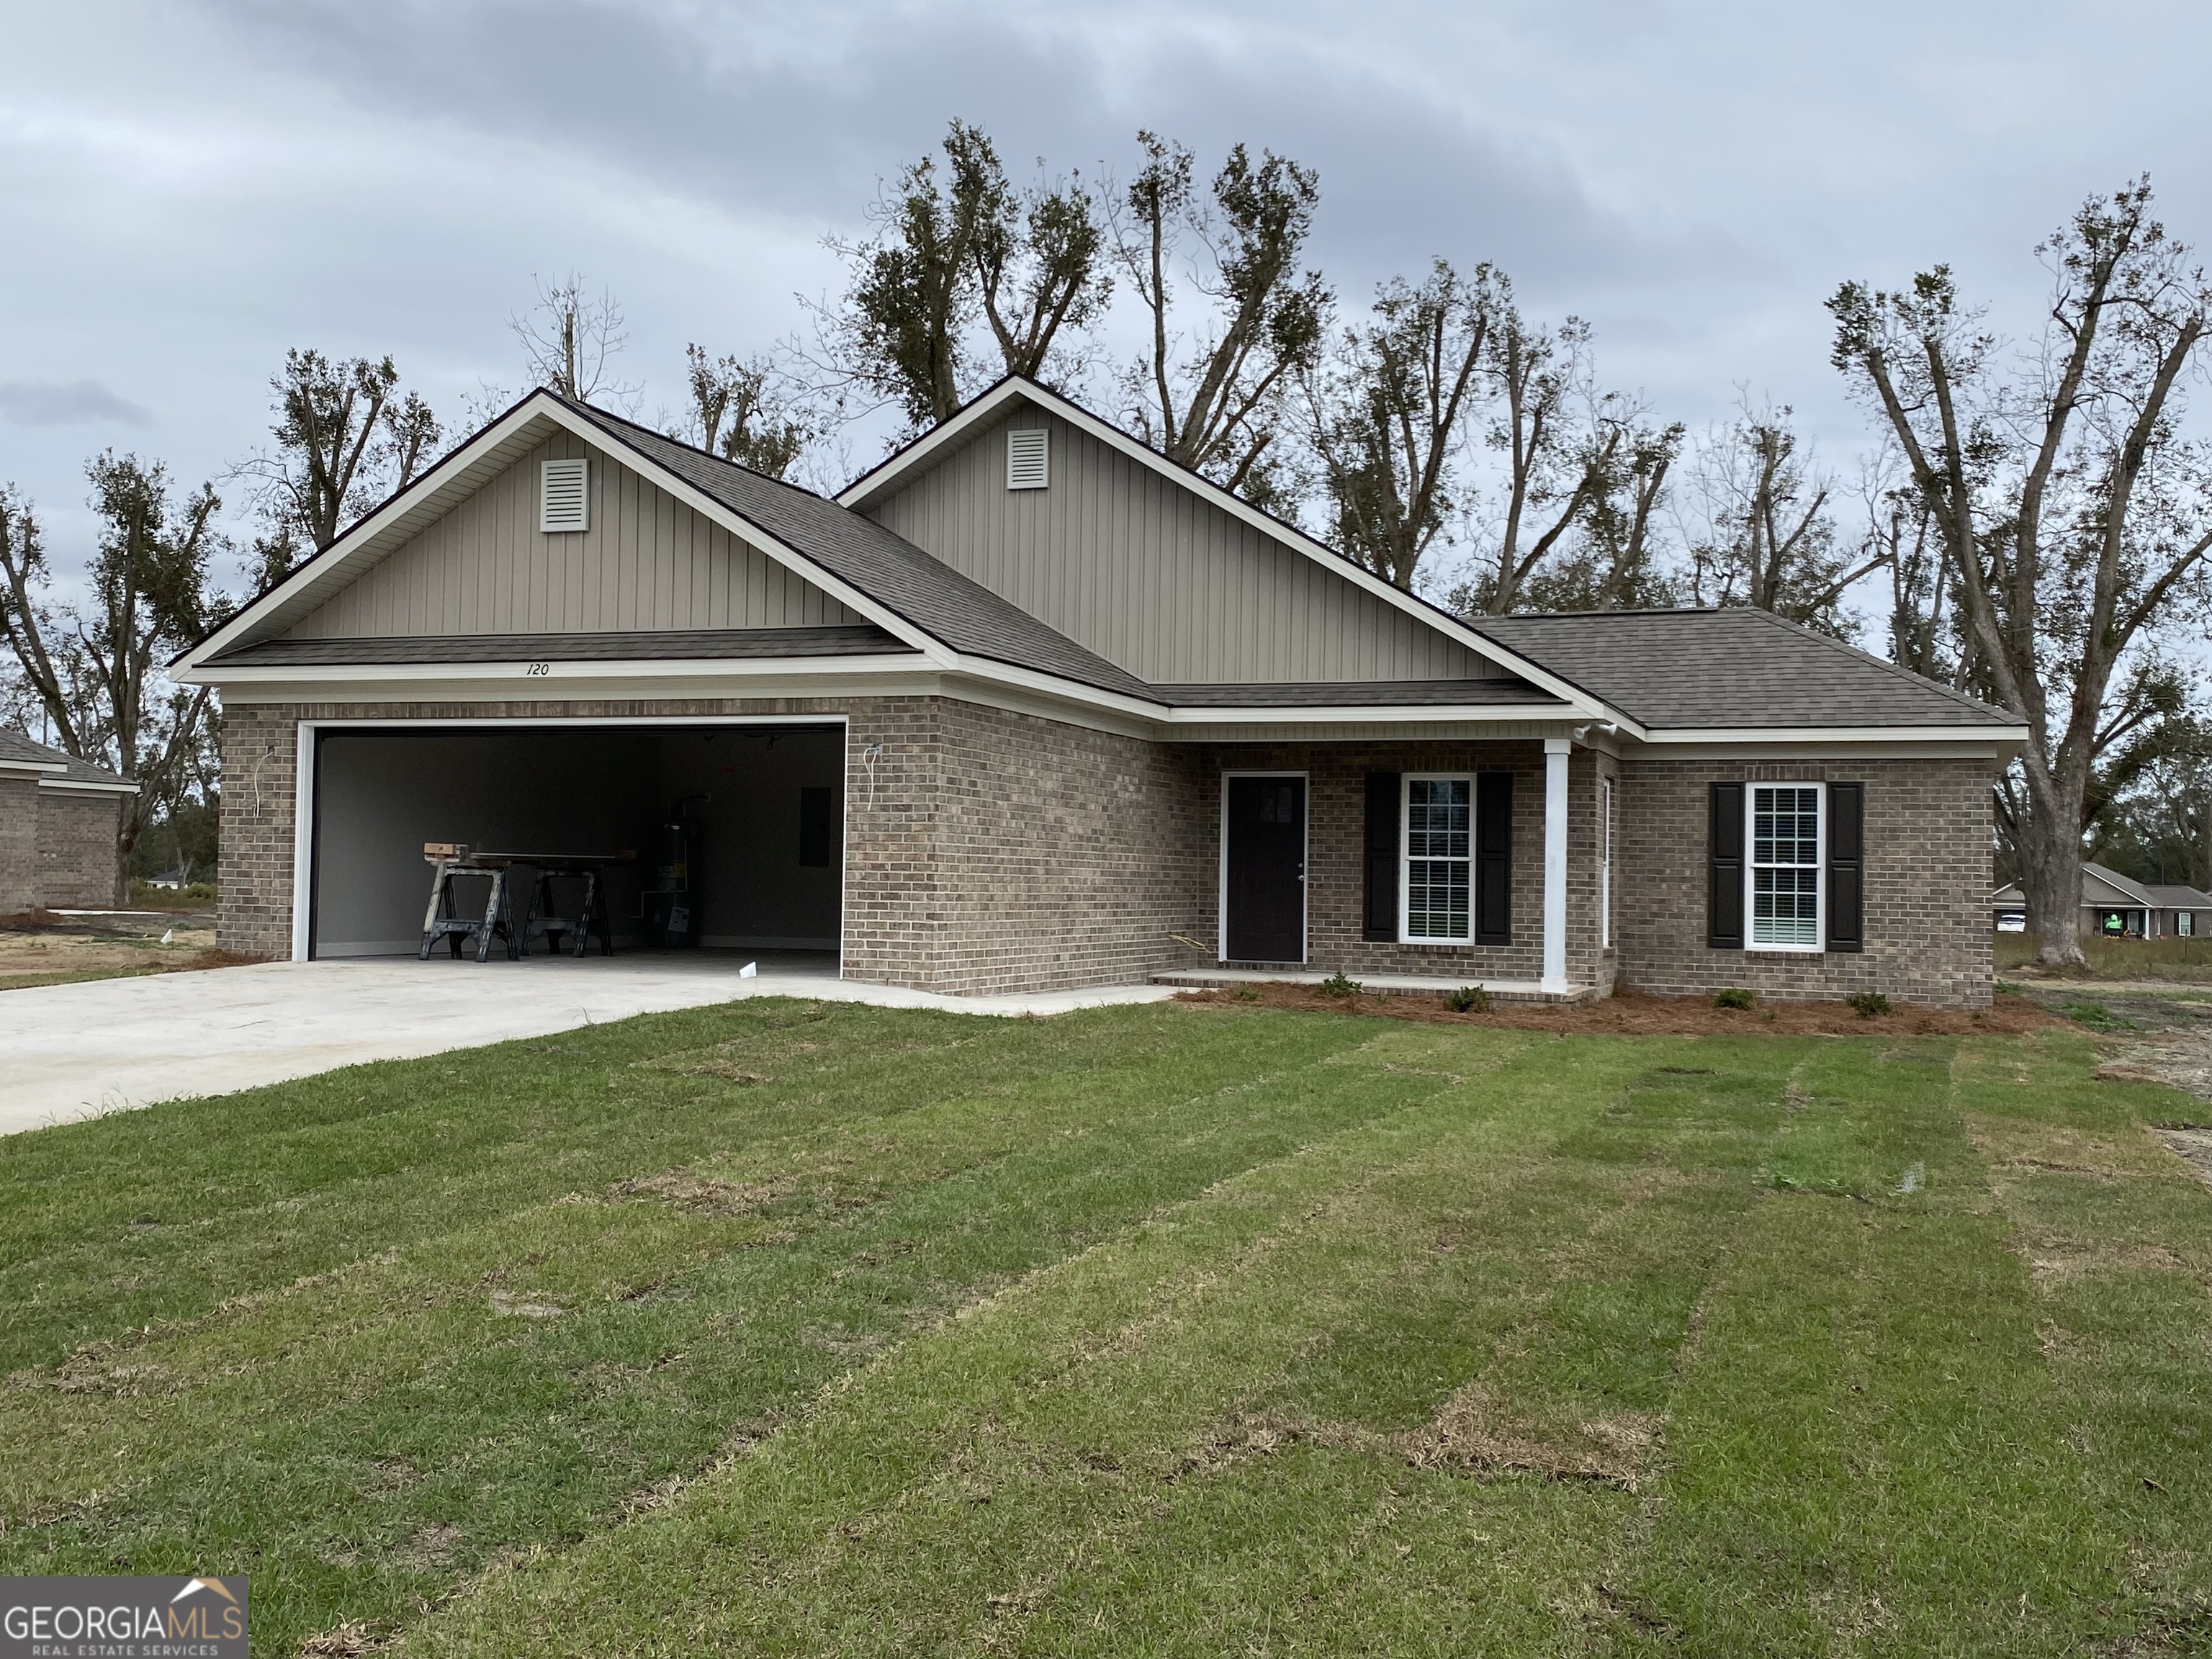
pixel 1417 865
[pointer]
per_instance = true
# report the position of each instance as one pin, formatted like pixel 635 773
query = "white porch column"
pixel 1556 750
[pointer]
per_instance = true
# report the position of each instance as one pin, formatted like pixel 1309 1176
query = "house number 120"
pixel 537 670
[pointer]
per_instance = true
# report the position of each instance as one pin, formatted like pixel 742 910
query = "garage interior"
pixel 763 807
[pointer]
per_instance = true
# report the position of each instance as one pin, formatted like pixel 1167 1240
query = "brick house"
pixel 60 823
pixel 1030 707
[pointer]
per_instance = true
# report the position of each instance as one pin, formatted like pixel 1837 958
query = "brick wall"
pixel 76 850
pixel 19 845
pixel 984 851
pixel 1927 883
pixel 1336 807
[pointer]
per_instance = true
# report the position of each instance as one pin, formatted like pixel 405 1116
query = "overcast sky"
pixel 189 187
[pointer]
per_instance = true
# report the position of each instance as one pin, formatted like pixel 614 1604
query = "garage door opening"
pixel 763 806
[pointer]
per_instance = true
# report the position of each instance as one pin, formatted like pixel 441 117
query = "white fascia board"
pixel 1987 737
pixel 505 675
pixel 318 570
pixel 871 484
pixel 69 786
pixel 1481 713
pixel 32 768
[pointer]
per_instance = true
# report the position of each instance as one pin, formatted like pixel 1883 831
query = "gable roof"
pixel 882 479
pixel 1733 668
pixel 932 596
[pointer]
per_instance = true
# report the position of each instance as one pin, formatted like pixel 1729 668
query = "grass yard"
pixel 2185 961
pixel 787 1328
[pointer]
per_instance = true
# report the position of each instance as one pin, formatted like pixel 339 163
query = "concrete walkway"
pixel 74 1051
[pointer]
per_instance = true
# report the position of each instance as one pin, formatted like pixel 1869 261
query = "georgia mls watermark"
pixel 122 1619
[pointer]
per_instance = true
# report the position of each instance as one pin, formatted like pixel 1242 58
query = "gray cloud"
pixel 74 402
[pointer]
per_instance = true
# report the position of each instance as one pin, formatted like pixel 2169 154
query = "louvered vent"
pixel 1027 453
pixel 564 497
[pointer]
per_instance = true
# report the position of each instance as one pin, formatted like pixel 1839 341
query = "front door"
pixel 1263 881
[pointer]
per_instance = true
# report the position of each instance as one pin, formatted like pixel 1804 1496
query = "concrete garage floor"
pixel 75 1051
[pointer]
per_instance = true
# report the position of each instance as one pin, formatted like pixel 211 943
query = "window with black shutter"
pixel 1724 868
pixel 1493 858
pixel 1847 866
pixel 1381 919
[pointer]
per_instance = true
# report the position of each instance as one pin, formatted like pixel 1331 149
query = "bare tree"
pixel 2071 507
pixel 1557 444
pixel 1388 417
pixel 740 412
pixel 1212 398
pixel 1764 531
pixel 1613 560
pixel 570 339
pixel 956 246
pixel 346 440
pixel 94 669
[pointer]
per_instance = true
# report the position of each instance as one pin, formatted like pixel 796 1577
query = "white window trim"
pixel 1820 944
pixel 1406 782
pixel 1605 864
pixel 1306 864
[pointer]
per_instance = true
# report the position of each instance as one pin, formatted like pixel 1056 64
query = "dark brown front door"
pixel 1264 879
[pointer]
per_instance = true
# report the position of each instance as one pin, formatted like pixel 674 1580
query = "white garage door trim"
pixel 303 800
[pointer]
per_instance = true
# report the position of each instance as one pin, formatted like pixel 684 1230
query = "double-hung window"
pixel 1783 869
pixel 1439 859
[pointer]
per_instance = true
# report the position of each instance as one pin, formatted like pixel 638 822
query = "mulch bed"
pixel 1630 1013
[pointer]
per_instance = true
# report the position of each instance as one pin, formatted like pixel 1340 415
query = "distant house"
pixel 1030 707
pixel 2114 907
pixel 59 821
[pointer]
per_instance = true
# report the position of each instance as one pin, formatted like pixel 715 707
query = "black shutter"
pixel 1724 868
pixel 1493 858
pixel 1381 916
pixel 1847 866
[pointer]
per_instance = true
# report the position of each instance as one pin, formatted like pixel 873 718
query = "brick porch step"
pixel 1407 985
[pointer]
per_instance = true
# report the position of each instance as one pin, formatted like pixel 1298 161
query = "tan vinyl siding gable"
pixel 1153 578
pixel 647 562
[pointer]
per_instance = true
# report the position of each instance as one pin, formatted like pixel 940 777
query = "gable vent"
pixel 1026 457
pixel 564 497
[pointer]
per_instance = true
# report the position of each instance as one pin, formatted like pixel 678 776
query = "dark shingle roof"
pixel 1356 693
pixel 18 746
pixel 887 568
pixel 1737 667
pixel 2169 896
pixel 670 645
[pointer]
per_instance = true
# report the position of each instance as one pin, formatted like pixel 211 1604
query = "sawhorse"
pixel 445 919
pixel 573 932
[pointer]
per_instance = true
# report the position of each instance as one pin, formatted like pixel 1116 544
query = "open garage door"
pixel 763 808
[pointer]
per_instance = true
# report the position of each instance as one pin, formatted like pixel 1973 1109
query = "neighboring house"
pixel 60 823
pixel 1030 707
pixel 2116 907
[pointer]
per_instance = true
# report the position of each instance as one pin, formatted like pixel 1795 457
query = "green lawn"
pixel 801 1329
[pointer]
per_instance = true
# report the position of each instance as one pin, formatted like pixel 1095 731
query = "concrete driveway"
pixel 73 1051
